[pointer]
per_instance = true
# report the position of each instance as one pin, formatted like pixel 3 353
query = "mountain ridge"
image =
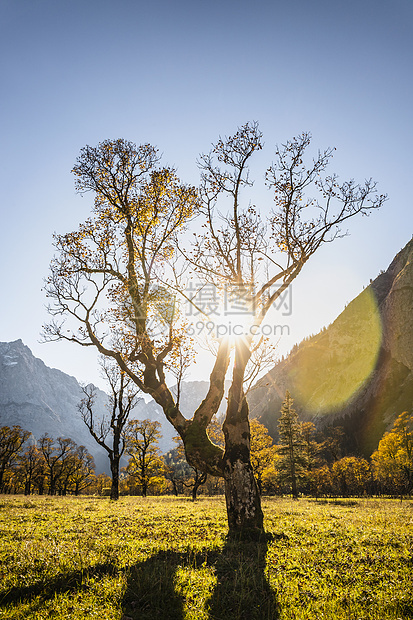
pixel 44 400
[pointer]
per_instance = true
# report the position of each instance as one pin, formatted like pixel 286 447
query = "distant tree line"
pixel 54 466
pixel 304 462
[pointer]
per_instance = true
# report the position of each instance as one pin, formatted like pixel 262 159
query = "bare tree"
pixel 111 275
pixel 258 256
pixel 109 431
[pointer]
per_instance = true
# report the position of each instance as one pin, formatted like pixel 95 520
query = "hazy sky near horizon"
pixel 178 75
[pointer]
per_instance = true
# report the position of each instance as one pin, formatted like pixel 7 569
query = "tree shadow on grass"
pixel 241 590
pixel 47 589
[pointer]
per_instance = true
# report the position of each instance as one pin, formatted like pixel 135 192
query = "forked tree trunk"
pixel 245 516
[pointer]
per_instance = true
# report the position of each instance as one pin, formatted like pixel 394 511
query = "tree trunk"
pixel 52 486
pixel 245 516
pixel 200 479
pixel 175 488
pixel 294 490
pixel 114 468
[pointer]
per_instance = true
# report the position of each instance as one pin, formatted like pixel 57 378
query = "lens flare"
pixel 330 368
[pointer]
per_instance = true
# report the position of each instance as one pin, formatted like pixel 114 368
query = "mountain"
pixel 44 400
pixel 357 372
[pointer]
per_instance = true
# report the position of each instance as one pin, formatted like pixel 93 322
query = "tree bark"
pixel 201 453
pixel 114 468
pixel 245 516
pixel 52 485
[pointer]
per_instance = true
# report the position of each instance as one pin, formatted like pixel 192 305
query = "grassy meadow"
pixel 88 558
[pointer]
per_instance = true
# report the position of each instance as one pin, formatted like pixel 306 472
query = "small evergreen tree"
pixel 291 448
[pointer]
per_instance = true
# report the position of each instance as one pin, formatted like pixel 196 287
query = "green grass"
pixel 168 558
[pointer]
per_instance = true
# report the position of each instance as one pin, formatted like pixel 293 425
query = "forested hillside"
pixel 357 372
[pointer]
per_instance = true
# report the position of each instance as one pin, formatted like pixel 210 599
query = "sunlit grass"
pixel 167 557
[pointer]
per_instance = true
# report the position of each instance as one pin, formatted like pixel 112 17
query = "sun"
pixel 234 326
pixel 221 312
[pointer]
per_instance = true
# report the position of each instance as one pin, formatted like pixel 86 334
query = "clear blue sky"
pixel 178 74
